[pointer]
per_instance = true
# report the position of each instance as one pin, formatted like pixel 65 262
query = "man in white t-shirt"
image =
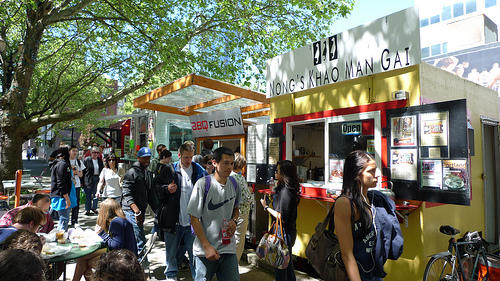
pixel 77 166
pixel 214 213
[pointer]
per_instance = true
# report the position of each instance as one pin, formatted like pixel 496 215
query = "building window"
pixel 436 49
pixel 425 52
pixel 458 9
pixel 446 13
pixel 445 47
pixel 435 19
pixel 470 6
pixel 424 22
pixel 490 3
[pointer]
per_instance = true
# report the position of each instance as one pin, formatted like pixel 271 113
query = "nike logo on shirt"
pixel 212 206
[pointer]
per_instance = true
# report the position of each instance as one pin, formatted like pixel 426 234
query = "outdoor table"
pixel 9 185
pixel 75 253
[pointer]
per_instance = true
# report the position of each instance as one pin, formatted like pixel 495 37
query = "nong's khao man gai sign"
pixel 388 43
pixel 217 123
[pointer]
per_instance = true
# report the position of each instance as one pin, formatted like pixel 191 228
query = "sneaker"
pixel 87 213
pixel 95 212
pixel 183 267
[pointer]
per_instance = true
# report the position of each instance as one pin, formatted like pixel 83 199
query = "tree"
pixel 56 56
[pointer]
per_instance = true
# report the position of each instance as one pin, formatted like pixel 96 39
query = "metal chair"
pixel 142 257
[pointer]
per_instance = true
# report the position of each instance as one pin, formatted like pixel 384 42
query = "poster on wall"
pixel 274 151
pixel 336 173
pixel 251 173
pixel 455 175
pixel 404 164
pixel 434 129
pixel 404 131
pixel 257 144
pixel 432 173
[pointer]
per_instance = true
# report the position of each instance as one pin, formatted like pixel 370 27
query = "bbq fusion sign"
pixel 388 43
pixel 217 123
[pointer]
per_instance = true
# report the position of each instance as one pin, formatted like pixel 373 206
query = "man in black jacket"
pixel 136 185
pixel 93 167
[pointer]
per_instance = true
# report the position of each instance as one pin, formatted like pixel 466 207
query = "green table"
pixel 75 253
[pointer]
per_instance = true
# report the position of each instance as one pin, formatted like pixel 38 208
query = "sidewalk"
pixel 248 271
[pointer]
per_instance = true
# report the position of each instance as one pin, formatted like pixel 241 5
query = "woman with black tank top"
pixel 285 202
pixel 357 238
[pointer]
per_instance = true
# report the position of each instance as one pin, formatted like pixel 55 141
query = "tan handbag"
pixel 323 252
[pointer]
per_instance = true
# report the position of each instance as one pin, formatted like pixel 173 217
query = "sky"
pixel 366 11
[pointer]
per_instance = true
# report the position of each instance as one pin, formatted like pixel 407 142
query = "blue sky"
pixel 366 11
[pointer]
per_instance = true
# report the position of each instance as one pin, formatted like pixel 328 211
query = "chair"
pixel 39 179
pixel 142 257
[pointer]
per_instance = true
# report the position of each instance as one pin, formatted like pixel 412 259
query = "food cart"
pixel 434 135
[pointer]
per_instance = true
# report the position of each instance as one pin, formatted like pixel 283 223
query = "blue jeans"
pixel 288 274
pixel 63 219
pixel 90 200
pixel 138 231
pixel 225 268
pixel 173 246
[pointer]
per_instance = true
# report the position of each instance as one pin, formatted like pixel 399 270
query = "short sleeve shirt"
pixel 246 195
pixel 80 168
pixel 219 205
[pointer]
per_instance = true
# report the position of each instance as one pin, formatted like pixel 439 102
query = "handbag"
pixel 323 251
pixel 273 249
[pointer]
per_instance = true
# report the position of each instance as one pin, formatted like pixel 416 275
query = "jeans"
pixel 225 268
pixel 288 274
pixel 240 235
pixel 138 230
pixel 76 209
pixel 63 219
pixel 173 246
pixel 90 199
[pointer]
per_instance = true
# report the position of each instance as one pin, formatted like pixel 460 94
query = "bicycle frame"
pixel 455 256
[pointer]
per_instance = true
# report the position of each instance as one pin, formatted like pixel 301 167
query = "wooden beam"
pixel 164 108
pixel 229 89
pixel 178 84
pixel 255 107
pixel 256 114
pixel 223 99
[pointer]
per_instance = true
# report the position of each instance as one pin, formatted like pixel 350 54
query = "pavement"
pixel 250 268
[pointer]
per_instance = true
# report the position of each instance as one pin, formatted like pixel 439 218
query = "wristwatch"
pixel 265 208
pixel 235 221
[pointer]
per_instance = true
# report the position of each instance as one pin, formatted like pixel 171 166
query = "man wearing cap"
pixel 93 167
pixel 136 185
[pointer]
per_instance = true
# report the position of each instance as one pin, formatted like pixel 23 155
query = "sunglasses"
pixel 112 160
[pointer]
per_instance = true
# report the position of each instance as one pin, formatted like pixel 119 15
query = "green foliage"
pixel 223 39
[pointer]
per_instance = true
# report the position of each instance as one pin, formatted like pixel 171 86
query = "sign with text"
pixel 217 123
pixel 352 128
pixel 391 42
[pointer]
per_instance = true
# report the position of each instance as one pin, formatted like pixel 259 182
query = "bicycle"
pixel 466 259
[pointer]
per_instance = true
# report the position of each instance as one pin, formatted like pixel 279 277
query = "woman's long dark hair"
pixel 354 163
pixel 290 180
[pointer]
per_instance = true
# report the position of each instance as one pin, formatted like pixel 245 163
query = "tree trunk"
pixel 11 146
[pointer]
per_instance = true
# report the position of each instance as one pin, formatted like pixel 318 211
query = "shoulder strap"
pixel 235 186
pixel 207 188
pixel 330 221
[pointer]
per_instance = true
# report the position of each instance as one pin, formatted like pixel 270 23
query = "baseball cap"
pixel 144 152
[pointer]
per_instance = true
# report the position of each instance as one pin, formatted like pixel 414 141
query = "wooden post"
pixel 19 177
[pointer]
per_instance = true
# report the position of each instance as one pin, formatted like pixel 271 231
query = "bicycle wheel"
pixel 439 269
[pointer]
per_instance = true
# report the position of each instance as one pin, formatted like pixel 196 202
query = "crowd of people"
pixel 201 205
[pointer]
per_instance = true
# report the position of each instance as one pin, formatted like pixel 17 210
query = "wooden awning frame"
pixel 232 93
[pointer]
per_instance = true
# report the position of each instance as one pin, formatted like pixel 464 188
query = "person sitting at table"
pixel 25 240
pixel 18 264
pixel 30 218
pixel 116 231
pixel 41 201
pixel 114 228
pixel 119 265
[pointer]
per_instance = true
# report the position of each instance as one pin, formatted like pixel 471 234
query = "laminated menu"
pixel 454 174
pixel 432 173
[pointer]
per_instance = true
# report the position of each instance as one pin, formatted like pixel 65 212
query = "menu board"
pixel 404 164
pixel 404 131
pixel 425 163
pixel 274 151
pixel 257 144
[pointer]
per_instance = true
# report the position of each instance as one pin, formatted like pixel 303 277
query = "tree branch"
pixel 61 12
pixel 34 124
